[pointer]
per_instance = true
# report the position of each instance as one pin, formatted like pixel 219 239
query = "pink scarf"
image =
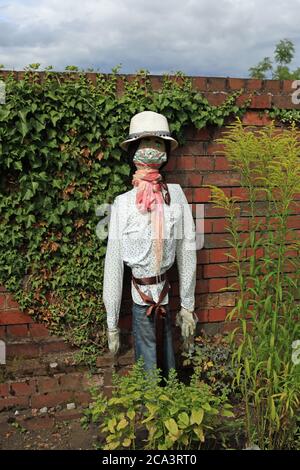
pixel 150 198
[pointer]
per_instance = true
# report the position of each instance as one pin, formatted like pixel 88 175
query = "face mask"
pixel 149 155
pixel 150 151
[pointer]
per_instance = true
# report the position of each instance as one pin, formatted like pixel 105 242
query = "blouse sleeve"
pixel 113 269
pixel 186 256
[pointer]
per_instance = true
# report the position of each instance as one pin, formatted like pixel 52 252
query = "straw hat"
pixel 148 123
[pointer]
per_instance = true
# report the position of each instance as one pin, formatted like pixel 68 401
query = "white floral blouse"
pixel 130 241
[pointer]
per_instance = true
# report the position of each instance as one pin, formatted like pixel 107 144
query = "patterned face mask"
pixel 150 151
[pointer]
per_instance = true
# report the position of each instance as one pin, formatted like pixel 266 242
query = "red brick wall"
pixel 191 166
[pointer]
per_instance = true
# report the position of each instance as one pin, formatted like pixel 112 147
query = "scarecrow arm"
pixel 113 271
pixel 186 257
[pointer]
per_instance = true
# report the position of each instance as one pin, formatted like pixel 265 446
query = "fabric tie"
pixel 159 312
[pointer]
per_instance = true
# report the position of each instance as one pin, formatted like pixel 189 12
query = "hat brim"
pixel 124 145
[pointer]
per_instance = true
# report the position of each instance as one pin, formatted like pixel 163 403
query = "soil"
pixel 64 435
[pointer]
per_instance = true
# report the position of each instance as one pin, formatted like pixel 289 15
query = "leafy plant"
pixel 143 414
pixel 211 361
pixel 266 263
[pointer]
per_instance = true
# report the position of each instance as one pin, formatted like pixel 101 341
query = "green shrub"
pixel 143 414
pixel 211 361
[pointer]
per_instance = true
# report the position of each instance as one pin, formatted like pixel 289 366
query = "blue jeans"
pixel 143 329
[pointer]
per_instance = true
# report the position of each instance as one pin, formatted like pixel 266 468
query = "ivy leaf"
pixel 22 128
pixel 28 195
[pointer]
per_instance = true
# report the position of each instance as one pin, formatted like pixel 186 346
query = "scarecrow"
pixel 150 226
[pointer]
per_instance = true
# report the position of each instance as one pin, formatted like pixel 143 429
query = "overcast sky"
pixel 199 37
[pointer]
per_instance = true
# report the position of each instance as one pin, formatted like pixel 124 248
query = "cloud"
pixel 198 37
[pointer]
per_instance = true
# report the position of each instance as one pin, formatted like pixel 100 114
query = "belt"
pixel 150 280
pixel 156 309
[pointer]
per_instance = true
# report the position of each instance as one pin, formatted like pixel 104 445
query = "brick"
pixel 192 148
pixel 217 314
pixel 214 285
pixel 254 118
pixel 51 399
pixel 55 346
pixel 202 315
pixel 194 179
pixel 91 77
pixel 219 225
pixel 94 380
pixel 186 162
pixel 2 301
pixel 227 299
pixel 202 286
pixel 23 388
pixel 11 303
pixel 207 226
pixel 272 85
pixel 215 98
pixel 204 163
pixel 216 83
pixel 188 194
pixel 284 101
pixel 26 367
pixel 23 349
pixel 171 164
pixel 219 255
pixel 17 331
pixel 221 163
pixel 241 99
pixel 208 300
pixel 287 86
pixel 14 317
pixel 192 133
pixel 253 84
pixel 71 381
pixel 261 101
pixel 4 390
pixel 13 402
pixel 241 193
pixel 222 179
pixel 203 256
pixel 211 211
pixel 201 194
pixel 199 83
pixel 236 83
pixel 156 82
pixel 216 270
pixel 38 331
pixel 48 384
pixel 39 422
pixel 83 398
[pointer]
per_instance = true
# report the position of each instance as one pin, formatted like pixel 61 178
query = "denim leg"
pixel 143 329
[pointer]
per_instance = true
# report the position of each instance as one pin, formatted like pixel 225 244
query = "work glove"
pixel 113 337
pixel 187 321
